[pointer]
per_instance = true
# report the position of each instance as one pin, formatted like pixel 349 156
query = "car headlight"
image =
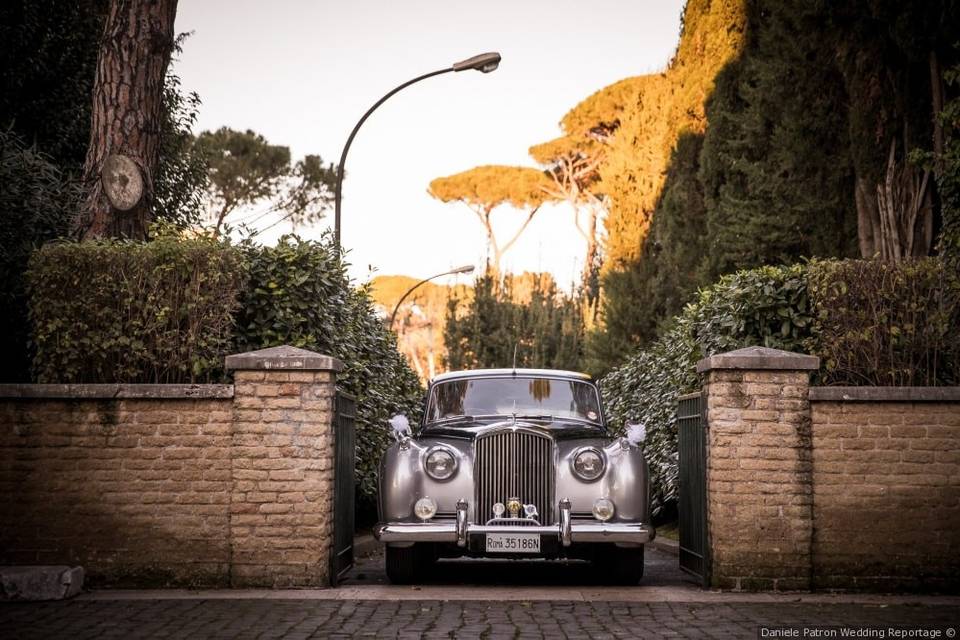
pixel 440 463
pixel 425 508
pixel 603 509
pixel 588 463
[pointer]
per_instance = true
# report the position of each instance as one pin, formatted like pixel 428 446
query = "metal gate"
pixel 344 448
pixel 692 430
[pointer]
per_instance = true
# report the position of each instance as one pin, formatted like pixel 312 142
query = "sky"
pixel 302 73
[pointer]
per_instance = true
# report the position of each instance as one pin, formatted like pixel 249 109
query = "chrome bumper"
pixel 566 530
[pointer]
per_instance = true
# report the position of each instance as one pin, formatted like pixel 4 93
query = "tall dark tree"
pixel 126 120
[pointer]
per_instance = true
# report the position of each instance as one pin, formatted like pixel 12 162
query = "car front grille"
pixel 514 463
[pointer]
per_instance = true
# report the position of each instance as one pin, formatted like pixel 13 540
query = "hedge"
pixel 869 322
pixel 118 311
pixel 170 310
pixel 298 293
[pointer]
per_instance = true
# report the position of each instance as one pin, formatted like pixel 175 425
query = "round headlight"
pixel 588 464
pixel 425 508
pixel 603 509
pixel 440 463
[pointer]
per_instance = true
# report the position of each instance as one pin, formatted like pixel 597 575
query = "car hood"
pixel 558 429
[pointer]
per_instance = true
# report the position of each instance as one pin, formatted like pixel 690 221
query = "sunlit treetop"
pixel 489 186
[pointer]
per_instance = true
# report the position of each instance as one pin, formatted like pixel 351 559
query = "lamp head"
pixel 468 268
pixel 485 62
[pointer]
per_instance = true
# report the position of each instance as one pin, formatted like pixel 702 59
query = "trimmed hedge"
pixel 298 293
pixel 883 324
pixel 170 310
pixel 868 321
pixel 118 311
pixel 767 306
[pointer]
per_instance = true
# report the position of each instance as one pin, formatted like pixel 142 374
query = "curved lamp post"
pixel 485 62
pixel 464 269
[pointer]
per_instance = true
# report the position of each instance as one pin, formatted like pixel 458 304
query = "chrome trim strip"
pixel 625 532
pixel 565 532
pixel 461 523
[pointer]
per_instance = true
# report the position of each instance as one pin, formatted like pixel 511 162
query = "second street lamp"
pixel 464 269
pixel 485 63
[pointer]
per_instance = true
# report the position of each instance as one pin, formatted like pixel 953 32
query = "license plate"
pixel 513 543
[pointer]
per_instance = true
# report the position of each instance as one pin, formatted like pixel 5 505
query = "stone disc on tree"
pixel 122 182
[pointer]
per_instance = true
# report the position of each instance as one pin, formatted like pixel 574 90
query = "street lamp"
pixel 485 63
pixel 464 269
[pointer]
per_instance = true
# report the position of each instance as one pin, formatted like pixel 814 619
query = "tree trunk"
pixel 135 51
pixel 868 219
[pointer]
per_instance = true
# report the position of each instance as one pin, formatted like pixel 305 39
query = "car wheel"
pixel 620 565
pixel 406 564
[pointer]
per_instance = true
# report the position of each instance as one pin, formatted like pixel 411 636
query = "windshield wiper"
pixel 453 419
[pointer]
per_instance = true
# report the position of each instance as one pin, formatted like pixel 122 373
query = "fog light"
pixel 425 508
pixel 603 509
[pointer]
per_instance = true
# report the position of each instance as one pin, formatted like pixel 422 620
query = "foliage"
pixel 886 324
pixel 246 170
pixel 526 315
pixel 766 306
pixel 298 293
pixel 170 310
pixel 487 187
pixel 869 322
pixel 768 154
pixel 120 311
pixel 948 177
pixel 36 200
pixel 776 176
pixel 181 179
pixel 419 320
pixel 48 58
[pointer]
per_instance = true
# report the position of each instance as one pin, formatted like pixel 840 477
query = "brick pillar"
pixel 281 511
pixel 759 470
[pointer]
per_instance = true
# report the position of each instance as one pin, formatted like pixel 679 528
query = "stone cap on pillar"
pixel 282 358
pixel 759 358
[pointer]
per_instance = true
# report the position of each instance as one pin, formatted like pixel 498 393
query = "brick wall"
pixel 282 495
pixel 133 490
pixel 832 487
pixel 758 473
pixel 175 485
pixel 886 486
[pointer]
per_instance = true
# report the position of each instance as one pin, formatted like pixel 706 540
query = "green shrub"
pixel 869 322
pixel 36 202
pixel 524 319
pixel 766 306
pixel 886 324
pixel 298 293
pixel 119 311
pixel 170 310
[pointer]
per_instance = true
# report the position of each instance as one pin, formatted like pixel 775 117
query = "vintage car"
pixel 513 463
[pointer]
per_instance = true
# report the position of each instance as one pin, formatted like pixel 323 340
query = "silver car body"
pixel 567 524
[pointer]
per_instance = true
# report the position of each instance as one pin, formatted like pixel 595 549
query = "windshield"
pixel 530 397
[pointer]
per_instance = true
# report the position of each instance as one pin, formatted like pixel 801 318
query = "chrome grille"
pixel 514 464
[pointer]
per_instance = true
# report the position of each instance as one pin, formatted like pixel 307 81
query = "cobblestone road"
pixel 435 619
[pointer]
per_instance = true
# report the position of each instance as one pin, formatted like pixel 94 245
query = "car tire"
pixel 620 565
pixel 406 564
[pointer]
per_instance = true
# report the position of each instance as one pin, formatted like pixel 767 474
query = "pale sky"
pixel 302 73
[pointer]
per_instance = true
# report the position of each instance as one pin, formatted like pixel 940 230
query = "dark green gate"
pixel 344 447
pixel 692 445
